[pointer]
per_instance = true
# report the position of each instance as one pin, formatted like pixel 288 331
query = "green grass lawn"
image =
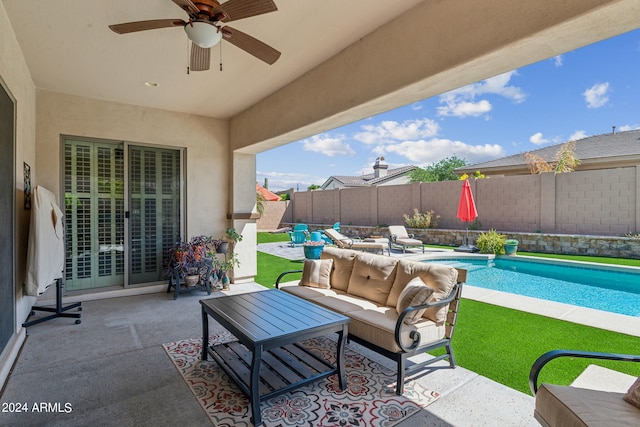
pixel 502 344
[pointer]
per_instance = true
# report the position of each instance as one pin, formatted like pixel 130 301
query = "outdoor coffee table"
pixel 266 361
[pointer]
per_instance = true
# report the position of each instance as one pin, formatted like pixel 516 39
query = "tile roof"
pixel 596 147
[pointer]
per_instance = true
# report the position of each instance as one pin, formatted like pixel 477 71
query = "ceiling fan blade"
pixel 240 9
pixel 132 27
pixel 187 6
pixel 251 45
pixel 200 58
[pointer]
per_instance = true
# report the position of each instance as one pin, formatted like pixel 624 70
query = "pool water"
pixel 608 289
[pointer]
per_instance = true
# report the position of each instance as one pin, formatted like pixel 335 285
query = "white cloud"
pixel 579 134
pixel 416 106
pixel 328 145
pixel 461 102
pixel 629 127
pixel 283 181
pixel 390 131
pixel 597 95
pixel 538 139
pixel 463 109
pixel 557 60
pixel 435 150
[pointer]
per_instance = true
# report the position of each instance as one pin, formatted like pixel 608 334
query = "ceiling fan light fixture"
pixel 203 33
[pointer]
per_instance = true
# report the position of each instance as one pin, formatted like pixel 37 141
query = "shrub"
pixel 422 220
pixel 491 242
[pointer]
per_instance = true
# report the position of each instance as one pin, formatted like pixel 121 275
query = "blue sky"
pixel 581 93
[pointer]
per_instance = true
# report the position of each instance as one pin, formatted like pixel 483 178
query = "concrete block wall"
pixel 597 202
pixel 396 200
pixel 602 202
pixel 443 199
pixel 508 203
pixel 274 213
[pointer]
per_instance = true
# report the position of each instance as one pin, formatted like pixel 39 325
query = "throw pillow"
pixel 316 273
pixel 633 394
pixel 415 293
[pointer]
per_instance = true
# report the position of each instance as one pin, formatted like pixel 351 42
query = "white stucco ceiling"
pixel 70 49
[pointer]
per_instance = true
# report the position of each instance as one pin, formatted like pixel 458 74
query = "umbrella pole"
pixel 467 244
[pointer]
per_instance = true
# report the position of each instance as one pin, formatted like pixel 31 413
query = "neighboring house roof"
pixel 368 179
pixel 609 150
pixel 268 195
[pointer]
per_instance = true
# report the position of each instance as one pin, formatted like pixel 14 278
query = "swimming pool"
pixel 614 289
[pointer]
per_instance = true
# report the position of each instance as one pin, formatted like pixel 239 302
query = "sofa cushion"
pixel 342 266
pixel 415 293
pixel 442 278
pixel 377 326
pixel 633 394
pixel 572 406
pixel 344 303
pixel 316 273
pixel 308 293
pixel 372 277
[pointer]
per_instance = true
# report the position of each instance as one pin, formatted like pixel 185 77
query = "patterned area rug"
pixel 369 399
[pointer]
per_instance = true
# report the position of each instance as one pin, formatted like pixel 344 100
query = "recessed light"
pixel 151 84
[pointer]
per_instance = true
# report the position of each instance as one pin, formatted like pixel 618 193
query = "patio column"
pixel 242 214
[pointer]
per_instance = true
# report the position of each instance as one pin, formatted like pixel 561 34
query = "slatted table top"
pixel 270 316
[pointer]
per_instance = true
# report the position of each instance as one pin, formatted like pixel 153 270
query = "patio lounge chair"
pixel 400 237
pixel 344 242
pixel 574 406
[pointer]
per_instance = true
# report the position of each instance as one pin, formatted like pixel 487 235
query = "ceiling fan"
pixel 204 28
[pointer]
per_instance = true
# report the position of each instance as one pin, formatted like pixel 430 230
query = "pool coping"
pixel 615 322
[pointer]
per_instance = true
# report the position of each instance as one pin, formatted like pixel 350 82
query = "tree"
pixel 313 187
pixel 564 160
pixel 440 171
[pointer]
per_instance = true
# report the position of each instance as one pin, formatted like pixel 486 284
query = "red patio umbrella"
pixel 467 212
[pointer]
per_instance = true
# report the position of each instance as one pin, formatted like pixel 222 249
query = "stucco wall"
pixel 205 140
pixel 15 77
pixel 591 202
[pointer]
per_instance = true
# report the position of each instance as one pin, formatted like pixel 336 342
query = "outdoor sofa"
pixel 568 406
pixel 397 307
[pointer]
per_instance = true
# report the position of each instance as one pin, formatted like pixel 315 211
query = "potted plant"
pixel 221 267
pixel 313 249
pixel 510 246
pixel 491 242
pixel 188 258
pixel 222 245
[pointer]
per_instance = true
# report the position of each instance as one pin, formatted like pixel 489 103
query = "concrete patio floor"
pixel 112 370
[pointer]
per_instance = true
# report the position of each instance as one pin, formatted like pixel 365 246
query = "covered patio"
pixel 122 375
pixel 67 75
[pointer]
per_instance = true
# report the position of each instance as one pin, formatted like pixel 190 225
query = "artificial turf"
pixel 500 343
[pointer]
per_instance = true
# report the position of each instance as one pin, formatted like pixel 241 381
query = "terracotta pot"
pixel 191 280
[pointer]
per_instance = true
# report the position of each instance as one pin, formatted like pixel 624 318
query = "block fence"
pixel 609 246
pixel 597 202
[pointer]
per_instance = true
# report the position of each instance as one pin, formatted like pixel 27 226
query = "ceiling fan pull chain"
pixel 188 59
pixel 220 56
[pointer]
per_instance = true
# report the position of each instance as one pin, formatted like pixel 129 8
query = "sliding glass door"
pixel 103 248
pixel 154 205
